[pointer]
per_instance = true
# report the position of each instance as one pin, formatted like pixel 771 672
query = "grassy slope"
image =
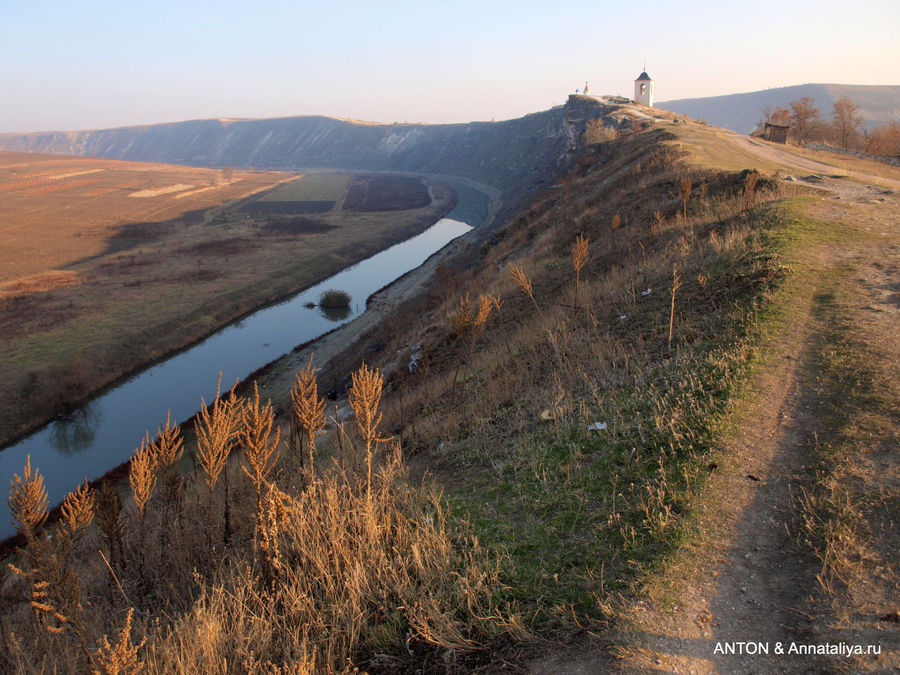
pixel 586 515
pixel 588 519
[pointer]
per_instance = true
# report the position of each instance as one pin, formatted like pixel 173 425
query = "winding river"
pixel 104 433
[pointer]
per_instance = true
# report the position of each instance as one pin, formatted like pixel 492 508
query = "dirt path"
pixel 748 583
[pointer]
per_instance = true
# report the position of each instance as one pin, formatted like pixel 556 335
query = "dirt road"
pixel 808 459
pixel 750 584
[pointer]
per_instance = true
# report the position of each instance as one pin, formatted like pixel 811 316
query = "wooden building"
pixel 777 133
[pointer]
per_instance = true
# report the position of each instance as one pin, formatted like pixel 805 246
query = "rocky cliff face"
pixel 509 155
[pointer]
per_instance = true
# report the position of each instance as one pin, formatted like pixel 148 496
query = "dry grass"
pixel 347 569
pixel 579 258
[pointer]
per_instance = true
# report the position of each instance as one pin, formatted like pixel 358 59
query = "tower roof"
pixel 643 76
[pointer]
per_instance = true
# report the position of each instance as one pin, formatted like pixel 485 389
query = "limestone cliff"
pixel 511 155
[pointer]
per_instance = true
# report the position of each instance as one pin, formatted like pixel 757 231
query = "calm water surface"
pixel 106 431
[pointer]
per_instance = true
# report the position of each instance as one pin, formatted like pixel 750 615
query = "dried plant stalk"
pixel 169 449
pixel 685 185
pixel 308 408
pixel 485 305
pixel 676 284
pixel 365 395
pixel 461 319
pixel 579 258
pixel 28 501
pixel 275 514
pixel 523 282
pixel 260 454
pixel 121 658
pixel 77 511
pixel 142 475
pixel 216 427
pixel 108 505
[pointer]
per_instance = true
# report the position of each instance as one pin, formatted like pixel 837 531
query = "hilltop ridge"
pixel 741 112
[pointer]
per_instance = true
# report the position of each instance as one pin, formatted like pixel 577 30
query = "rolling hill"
pixel 742 112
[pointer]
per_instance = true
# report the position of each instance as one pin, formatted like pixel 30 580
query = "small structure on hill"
pixel 777 133
pixel 643 89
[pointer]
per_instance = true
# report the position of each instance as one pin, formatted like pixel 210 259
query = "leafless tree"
pixel 846 123
pixel 805 122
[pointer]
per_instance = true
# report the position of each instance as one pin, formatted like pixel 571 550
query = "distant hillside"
pixel 510 155
pixel 742 112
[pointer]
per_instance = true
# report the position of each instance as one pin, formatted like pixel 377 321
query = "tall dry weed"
pixel 685 186
pixel 216 427
pixel 365 396
pixel 55 588
pixel 462 317
pixel 28 501
pixel 523 282
pixel 579 258
pixel 676 284
pixel 121 658
pixel 108 506
pixel 308 410
pixel 169 450
pixel 260 449
pixel 142 477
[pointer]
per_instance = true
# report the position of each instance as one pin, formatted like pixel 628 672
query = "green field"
pixel 314 187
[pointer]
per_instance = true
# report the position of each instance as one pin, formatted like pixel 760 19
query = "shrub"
pixel 334 298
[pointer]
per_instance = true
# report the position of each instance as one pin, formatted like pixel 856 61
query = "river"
pixel 105 432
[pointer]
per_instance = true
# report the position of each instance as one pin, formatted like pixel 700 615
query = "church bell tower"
pixel 643 89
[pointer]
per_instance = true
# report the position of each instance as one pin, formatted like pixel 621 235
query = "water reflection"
pixel 75 431
pixel 335 314
pixel 93 441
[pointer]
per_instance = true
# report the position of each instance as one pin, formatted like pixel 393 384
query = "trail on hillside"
pixel 749 579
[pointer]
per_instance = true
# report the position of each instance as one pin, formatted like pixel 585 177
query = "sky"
pixel 98 64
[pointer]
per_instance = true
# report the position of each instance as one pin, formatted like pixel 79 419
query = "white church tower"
pixel 643 89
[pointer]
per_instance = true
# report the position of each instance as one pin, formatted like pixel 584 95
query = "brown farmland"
pixel 59 210
pixel 107 266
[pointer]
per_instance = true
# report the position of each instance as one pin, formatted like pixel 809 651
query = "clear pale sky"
pixel 105 63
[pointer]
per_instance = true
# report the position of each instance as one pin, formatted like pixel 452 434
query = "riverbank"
pixel 167 286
